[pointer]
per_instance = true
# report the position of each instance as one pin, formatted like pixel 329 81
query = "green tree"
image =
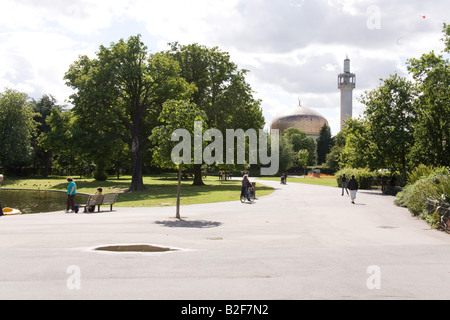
pixel 302 158
pixel 334 157
pixel 59 140
pixel 287 155
pixel 324 144
pixel 174 116
pixel 43 108
pixel 122 92
pixel 359 150
pixel 300 141
pixel 94 146
pixel 221 90
pixel 431 73
pixel 432 129
pixel 446 38
pixel 391 117
pixel 16 129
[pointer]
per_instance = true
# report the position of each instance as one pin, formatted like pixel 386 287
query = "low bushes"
pixel 363 176
pixel 424 184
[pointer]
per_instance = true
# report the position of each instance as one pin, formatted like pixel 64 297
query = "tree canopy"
pixel 121 94
pixel 324 144
pixel 176 116
pixel 432 106
pixel 221 90
pixel 391 119
pixel 17 127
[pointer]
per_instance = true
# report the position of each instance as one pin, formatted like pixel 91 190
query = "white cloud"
pixel 184 21
pixel 35 62
pixel 82 17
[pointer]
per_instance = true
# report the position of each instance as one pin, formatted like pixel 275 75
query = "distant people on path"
pixel 71 193
pixel 353 187
pixel 344 184
pixel 283 178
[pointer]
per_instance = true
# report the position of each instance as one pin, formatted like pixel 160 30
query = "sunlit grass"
pixel 160 190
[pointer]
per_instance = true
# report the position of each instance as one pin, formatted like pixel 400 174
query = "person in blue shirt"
pixel 71 193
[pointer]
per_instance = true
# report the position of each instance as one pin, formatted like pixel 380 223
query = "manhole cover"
pixel 134 248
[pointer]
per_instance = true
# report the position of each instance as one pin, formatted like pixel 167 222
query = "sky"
pixel 293 49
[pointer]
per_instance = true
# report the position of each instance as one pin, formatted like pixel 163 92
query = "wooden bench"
pixel 99 200
pixel 110 199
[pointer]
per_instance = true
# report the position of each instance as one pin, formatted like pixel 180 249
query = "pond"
pixel 37 201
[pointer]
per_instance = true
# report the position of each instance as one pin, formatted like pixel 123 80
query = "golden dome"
pixel 305 119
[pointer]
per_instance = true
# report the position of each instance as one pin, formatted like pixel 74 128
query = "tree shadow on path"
pixel 198 224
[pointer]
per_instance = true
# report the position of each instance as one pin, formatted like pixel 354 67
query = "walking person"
pixel 353 187
pixel 71 193
pixel 283 179
pixel 344 184
pixel 246 185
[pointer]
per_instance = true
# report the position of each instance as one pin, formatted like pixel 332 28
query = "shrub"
pixel 420 172
pixel 100 175
pixel 441 192
pixel 425 183
pixel 417 200
pixel 363 176
pixel 402 196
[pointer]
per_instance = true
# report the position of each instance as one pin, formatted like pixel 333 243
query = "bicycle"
pixel 444 222
pixel 249 196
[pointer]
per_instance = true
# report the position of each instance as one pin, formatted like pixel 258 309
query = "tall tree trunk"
pixel 137 181
pixel 198 179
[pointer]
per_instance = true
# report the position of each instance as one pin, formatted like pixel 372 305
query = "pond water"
pixel 34 201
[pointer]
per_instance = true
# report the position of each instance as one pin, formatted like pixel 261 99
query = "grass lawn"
pixel 160 190
pixel 327 181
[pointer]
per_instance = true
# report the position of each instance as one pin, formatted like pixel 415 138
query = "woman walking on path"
pixel 71 193
pixel 353 187
pixel 344 184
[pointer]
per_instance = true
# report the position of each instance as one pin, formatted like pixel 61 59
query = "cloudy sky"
pixel 294 49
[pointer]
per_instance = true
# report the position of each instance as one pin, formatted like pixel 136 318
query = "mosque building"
pixel 303 118
pixel 310 121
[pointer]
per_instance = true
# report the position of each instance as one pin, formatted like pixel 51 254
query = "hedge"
pixel 363 176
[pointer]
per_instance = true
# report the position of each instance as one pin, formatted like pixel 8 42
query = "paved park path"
pixel 301 242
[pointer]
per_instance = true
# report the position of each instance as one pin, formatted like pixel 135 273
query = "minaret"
pixel 347 83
